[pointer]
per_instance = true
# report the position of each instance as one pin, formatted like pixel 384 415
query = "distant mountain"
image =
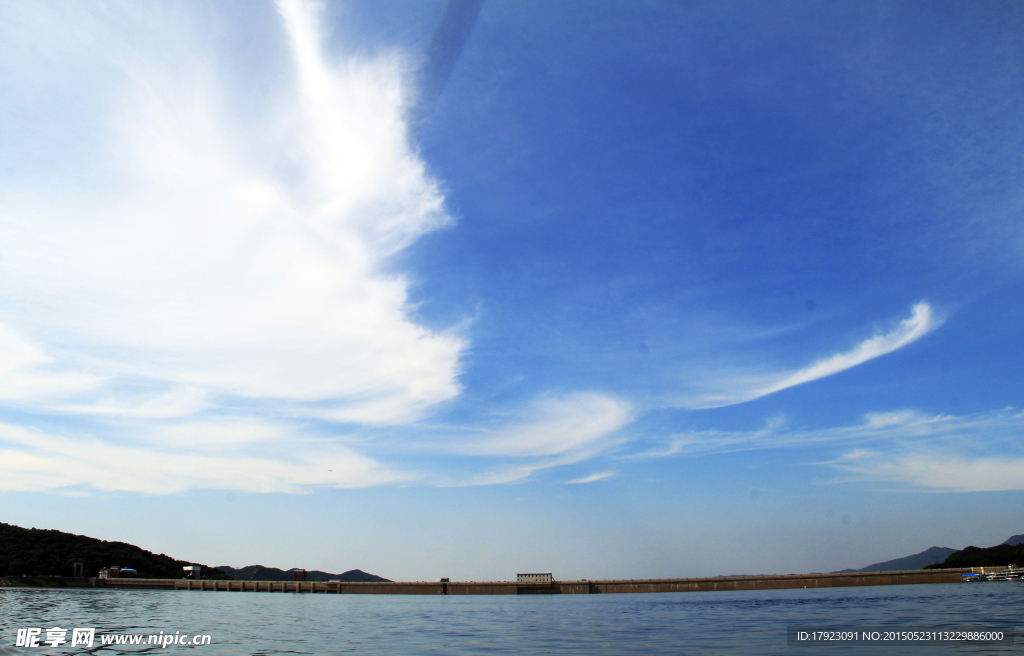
pixel 40 552
pixel 936 557
pixel 930 556
pixel 261 573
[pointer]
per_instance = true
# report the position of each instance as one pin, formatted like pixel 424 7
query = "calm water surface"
pixel 670 623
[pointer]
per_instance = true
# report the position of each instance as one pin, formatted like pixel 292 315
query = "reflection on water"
pixel 668 623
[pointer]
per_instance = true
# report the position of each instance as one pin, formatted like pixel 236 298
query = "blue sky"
pixel 638 290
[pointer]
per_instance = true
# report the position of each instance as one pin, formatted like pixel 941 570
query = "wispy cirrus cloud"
pixel 716 441
pixel 574 423
pixel 551 432
pixel 979 452
pixel 245 456
pixel 741 389
pixel 592 478
pixel 902 426
pixel 941 470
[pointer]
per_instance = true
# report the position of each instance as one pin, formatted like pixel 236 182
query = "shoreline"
pixel 704 584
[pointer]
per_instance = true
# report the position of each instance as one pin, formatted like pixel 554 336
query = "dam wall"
pixel 787 581
pixel 775 582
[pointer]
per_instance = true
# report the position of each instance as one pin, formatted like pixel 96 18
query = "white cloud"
pixel 885 419
pixel 909 330
pixel 719 441
pixel 747 388
pixel 592 478
pixel 227 261
pixel 194 282
pixel 577 423
pixel 903 427
pixel 552 432
pixel 981 452
pixel 32 460
pixel 506 473
pixel 26 372
pixel 180 249
pixel 961 472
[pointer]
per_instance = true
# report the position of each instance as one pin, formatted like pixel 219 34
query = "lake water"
pixel 667 623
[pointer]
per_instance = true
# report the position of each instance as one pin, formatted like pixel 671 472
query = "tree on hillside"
pixel 39 552
pixel 1003 554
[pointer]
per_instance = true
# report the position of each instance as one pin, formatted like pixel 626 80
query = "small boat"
pixel 1007 574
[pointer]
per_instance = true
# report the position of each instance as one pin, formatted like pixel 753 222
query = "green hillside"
pixel 1003 554
pixel 39 552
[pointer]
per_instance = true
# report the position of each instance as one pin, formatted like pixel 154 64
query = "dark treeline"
pixel 1003 554
pixel 39 552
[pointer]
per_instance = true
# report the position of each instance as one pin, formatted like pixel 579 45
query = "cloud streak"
pixel 921 321
pixel 592 478
pixel 940 471
pixel 216 455
pixel 578 422
pixel 555 432
pixel 981 452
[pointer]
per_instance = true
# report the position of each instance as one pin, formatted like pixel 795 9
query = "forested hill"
pixel 1003 554
pixel 40 552
pixel 261 573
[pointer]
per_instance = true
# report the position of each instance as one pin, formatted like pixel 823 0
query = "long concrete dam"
pixel 788 581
